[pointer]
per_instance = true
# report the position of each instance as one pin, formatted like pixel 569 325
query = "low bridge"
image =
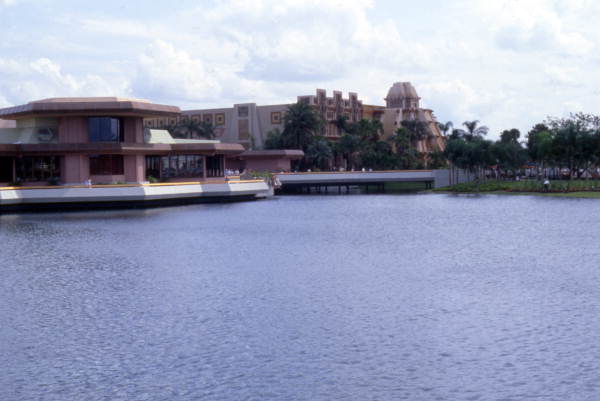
pixel 367 179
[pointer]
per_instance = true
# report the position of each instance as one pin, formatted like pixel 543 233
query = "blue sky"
pixel 508 63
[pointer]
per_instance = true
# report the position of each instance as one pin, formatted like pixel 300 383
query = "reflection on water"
pixel 377 297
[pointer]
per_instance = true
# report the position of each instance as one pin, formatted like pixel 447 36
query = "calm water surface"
pixel 375 297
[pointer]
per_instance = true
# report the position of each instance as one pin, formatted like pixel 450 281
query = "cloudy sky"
pixel 507 63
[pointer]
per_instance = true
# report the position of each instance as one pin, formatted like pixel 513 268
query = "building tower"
pixel 403 103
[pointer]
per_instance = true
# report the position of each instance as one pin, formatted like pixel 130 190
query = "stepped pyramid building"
pixel 403 103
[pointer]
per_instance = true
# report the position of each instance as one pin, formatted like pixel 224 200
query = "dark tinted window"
pixel 106 165
pixel 214 166
pixel 6 169
pixel 177 166
pixel 105 129
pixel 181 166
pixel 32 169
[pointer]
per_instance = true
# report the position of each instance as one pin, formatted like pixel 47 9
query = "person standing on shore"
pixel 546 185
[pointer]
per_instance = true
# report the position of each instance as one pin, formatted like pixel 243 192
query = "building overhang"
pixel 88 106
pixel 291 154
pixel 208 149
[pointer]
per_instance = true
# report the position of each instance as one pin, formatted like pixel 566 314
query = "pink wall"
pixel 135 168
pixel 75 169
pixel 106 179
pixel 268 164
pixel 134 129
pixel 234 164
pixel 72 130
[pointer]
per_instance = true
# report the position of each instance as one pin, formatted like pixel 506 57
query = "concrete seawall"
pixel 97 195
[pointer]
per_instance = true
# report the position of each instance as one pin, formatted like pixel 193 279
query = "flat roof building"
pixel 73 140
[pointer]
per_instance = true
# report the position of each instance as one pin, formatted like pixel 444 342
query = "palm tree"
pixel 319 152
pixel 191 129
pixel 446 127
pixel 406 153
pixel 342 124
pixel 301 123
pixel 348 145
pixel 417 129
pixel 206 130
pixel 367 130
pixel 273 140
pixel 473 130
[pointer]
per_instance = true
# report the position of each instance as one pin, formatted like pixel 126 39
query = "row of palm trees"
pixel 360 144
pixel 561 147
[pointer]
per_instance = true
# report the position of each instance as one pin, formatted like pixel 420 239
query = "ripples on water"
pixel 377 297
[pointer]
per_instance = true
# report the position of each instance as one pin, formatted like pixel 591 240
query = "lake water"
pixel 359 297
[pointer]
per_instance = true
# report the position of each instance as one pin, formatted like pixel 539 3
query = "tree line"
pixel 568 147
pixel 558 147
pixel 360 145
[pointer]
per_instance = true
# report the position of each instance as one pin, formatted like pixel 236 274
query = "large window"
pixel 105 129
pixel 106 165
pixel 214 166
pixel 33 169
pixel 153 167
pixel 176 166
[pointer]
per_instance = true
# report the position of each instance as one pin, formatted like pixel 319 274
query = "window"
pixel 243 111
pixel 176 166
pixel 276 117
pixel 220 118
pixel 106 165
pixel 153 166
pixel 33 169
pixel 208 118
pixel 105 129
pixel 243 129
pixel 214 166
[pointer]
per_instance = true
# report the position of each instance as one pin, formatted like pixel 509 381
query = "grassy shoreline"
pixel 558 189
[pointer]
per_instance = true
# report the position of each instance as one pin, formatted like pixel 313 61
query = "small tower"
pixel 402 95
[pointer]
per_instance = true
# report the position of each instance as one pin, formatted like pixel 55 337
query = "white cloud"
pixel 116 27
pixel 538 25
pixel 23 81
pixel 454 100
pixel 168 72
pixel 4 102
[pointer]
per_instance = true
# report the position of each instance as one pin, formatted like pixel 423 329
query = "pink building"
pixel 73 140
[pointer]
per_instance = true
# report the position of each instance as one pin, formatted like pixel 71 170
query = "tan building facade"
pixel 249 124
